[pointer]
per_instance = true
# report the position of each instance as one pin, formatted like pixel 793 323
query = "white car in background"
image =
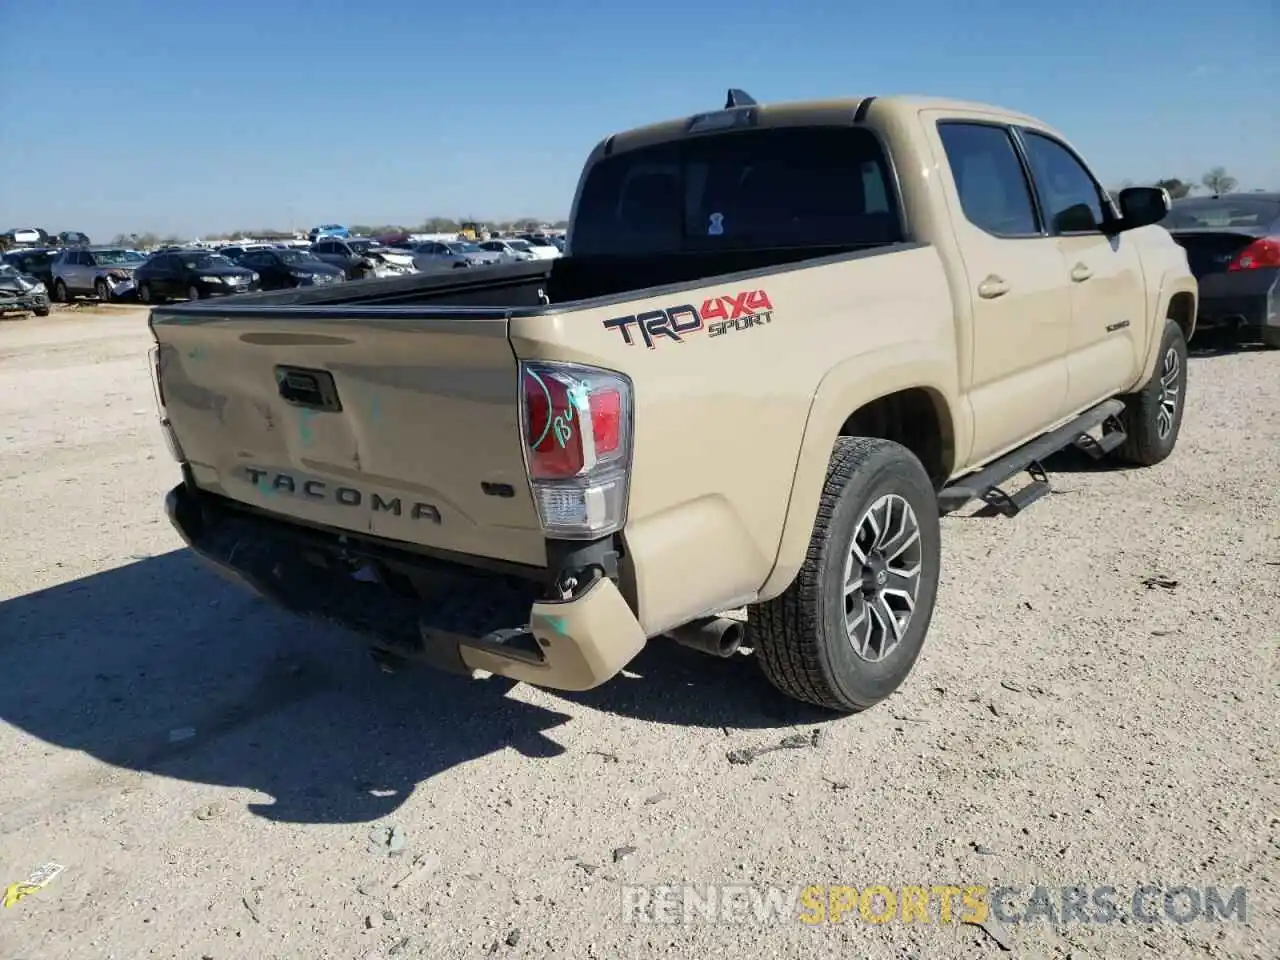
pixel 514 249
pixel 542 247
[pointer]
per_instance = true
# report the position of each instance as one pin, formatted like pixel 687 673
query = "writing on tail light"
pixel 576 422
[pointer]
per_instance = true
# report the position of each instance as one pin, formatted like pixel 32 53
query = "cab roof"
pixel 836 111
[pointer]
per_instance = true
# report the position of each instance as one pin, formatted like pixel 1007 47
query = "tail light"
pixel 577 437
pixel 1263 252
pixel 157 389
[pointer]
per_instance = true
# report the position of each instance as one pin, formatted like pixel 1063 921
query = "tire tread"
pixel 785 630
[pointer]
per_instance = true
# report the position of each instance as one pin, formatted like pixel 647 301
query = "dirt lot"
pixel 1097 705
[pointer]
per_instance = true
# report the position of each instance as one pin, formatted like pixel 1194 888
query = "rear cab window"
pixel 819 186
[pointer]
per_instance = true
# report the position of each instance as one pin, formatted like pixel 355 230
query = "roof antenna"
pixel 738 98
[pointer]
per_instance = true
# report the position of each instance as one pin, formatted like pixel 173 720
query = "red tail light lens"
pixel 573 420
pixel 577 433
pixel 1264 252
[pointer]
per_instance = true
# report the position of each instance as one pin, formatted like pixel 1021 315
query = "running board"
pixel 984 485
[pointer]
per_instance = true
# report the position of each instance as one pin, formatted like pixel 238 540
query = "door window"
pixel 993 188
pixel 1072 200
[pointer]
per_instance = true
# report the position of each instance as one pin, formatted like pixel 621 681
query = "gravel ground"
pixel 1097 705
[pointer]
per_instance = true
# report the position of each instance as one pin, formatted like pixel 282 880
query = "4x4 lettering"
pixel 713 309
pixel 738 305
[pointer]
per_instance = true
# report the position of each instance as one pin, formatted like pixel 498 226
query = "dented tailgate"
pixel 403 428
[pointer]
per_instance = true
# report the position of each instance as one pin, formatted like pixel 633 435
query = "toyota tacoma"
pixel 785 340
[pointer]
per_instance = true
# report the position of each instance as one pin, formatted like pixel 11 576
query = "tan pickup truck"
pixel 784 341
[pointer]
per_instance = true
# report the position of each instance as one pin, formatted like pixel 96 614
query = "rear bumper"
pixel 1245 298
pixel 451 617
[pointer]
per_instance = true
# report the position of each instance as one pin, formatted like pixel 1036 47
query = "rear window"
pixel 1241 212
pixel 772 187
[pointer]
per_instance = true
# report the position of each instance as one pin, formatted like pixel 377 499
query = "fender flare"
pixel 1172 283
pixel 843 390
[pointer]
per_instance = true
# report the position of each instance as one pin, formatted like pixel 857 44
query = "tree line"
pixel 1216 181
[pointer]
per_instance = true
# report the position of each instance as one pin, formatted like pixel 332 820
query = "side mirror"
pixel 1142 206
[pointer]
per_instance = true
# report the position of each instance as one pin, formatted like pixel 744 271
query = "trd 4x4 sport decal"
pixel 717 316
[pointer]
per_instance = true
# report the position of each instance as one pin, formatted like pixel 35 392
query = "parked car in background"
pixel 450 254
pixel 25 236
pixel 281 269
pixel 514 249
pixel 22 291
pixel 194 274
pixel 542 247
pixel 236 250
pixel 36 261
pixel 362 258
pixel 1233 248
pixel 103 272
pixel 327 230
pixel 73 238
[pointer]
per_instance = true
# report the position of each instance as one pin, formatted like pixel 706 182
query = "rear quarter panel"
pixel 723 421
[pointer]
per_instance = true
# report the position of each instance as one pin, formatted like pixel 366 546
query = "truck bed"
pixel 529 285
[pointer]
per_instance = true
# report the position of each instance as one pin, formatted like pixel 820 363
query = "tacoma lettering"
pixel 342 496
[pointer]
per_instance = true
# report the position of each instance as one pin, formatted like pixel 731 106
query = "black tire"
pixel 1151 426
pixel 1271 337
pixel 102 291
pixel 60 293
pixel 144 293
pixel 41 311
pixel 800 637
pixel 193 292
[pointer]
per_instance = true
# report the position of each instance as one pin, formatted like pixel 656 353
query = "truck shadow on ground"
pixel 161 666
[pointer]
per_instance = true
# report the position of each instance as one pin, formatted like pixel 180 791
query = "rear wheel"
pixel 193 292
pixel 851 626
pixel 1152 416
pixel 41 311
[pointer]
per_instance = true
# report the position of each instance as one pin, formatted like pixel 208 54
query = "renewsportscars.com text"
pixel 933 904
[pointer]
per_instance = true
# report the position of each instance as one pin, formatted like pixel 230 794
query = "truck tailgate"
pixel 402 428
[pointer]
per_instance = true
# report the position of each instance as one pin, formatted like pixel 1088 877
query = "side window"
pixel 85 259
pixel 324 247
pixel 993 189
pixel 1071 199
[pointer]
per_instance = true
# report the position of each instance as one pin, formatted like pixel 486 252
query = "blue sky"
pixel 143 115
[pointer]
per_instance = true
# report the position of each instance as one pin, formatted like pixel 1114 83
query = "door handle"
pixel 993 287
pixel 1080 273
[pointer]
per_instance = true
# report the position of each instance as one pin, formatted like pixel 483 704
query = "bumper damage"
pixel 450 617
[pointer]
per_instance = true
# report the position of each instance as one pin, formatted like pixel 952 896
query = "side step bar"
pixel 984 484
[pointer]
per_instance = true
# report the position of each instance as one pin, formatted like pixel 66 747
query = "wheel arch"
pixel 1178 301
pixel 904 395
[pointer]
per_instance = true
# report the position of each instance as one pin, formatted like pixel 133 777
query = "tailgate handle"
pixel 314 389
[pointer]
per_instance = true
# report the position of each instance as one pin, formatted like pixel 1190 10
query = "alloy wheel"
pixel 1170 392
pixel 882 577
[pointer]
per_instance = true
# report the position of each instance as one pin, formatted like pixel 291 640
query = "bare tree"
pixel 1218 182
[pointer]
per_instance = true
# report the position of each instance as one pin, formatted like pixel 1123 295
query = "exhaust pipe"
pixel 718 636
